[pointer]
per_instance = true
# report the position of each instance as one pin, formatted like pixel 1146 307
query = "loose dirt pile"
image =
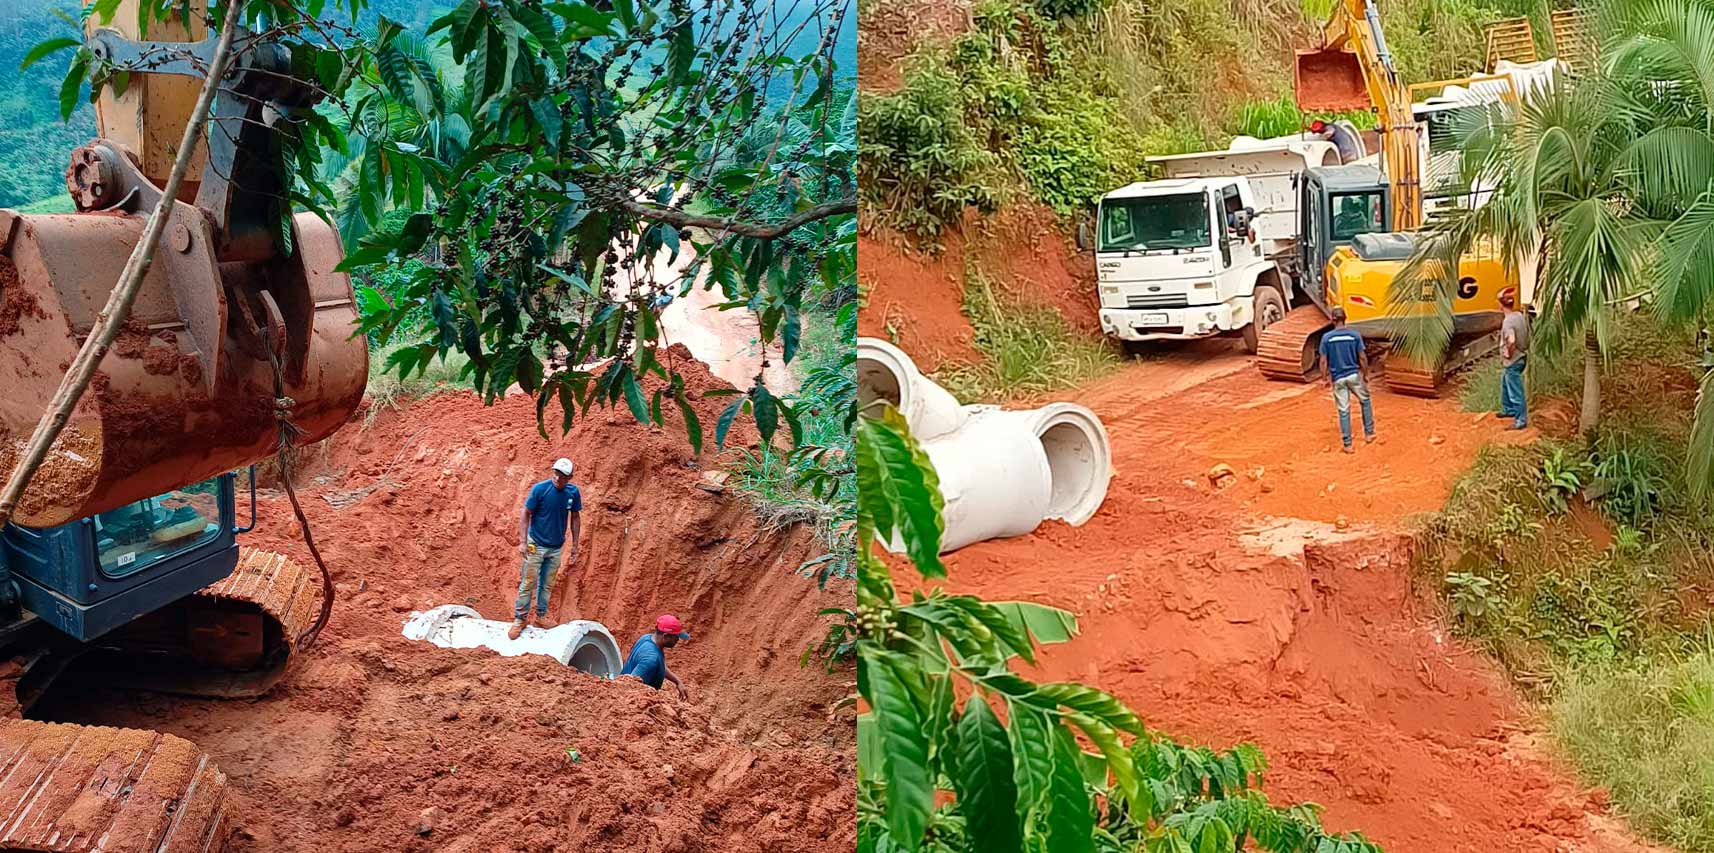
pixel 370 731
pixel 1280 608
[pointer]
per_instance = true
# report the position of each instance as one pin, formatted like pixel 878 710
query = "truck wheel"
pixel 1269 309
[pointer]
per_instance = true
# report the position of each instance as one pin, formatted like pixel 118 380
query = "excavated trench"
pixel 376 742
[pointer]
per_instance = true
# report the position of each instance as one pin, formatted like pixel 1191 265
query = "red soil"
pixel 916 299
pixel 370 730
pixel 1246 613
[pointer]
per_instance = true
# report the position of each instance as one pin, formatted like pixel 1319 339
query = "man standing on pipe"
pixel 552 504
pixel 648 661
pixel 1345 366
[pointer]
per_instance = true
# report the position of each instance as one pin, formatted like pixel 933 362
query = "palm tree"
pixel 428 114
pixel 1562 191
pixel 1609 179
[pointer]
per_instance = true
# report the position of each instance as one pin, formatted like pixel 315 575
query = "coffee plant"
pixel 1005 769
pixel 598 159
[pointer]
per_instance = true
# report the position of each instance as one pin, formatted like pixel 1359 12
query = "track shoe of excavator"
pixel 231 640
pixel 1286 350
pixel 83 789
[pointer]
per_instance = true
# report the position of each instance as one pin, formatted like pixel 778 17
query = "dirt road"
pixel 1247 613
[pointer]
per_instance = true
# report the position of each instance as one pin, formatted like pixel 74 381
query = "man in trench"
pixel 647 661
pixel 552 505
pixel 1345 366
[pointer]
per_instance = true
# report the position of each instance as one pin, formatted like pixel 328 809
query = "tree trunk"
pixel 1591 383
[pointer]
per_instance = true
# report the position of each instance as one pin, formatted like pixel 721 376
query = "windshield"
pixel 137 535
pixel 1356 213
pixel 1155 222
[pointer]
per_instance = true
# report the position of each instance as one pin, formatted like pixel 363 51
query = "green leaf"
pixel 725 421
pixel 72 85
pixel 634 397
pixel 1071 816
pixel 1045 624
pixel 871 748
pixel 767 412
pixel 583 20
pixel 50 46
pixel 898 490
pixel 987 793
pixel 910 785
pixel 692 426
pixel 1095 703
pixel 790 333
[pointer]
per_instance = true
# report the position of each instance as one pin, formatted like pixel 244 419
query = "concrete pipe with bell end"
pixel 582 645
pixel 886 374
pixel 1001 472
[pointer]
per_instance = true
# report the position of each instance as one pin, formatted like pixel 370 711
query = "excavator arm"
pixel 1352 69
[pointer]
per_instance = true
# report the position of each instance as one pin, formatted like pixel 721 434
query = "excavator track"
pixel 1286 350
pixel 83 789
pixel 231 640
pixel 1419 380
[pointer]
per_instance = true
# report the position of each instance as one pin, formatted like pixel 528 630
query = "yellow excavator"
pixel 1352 265
pixel 122 555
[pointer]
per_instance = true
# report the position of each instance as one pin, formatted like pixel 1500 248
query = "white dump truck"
pixel 1211 247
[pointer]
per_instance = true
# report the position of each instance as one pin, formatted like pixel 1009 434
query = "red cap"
pixel 669 624
pixel 1317 126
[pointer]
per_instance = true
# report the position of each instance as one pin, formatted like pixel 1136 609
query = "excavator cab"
pixel 90 576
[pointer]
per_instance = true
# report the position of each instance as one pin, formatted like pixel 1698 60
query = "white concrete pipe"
pixel 581 645
pixel 1001 472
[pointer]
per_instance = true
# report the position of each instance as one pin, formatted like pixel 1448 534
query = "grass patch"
pixel 1557 377
pixel 788 486
pixel 386 389
pixel 1027 349
pixel 1647 734
pixel 1562 556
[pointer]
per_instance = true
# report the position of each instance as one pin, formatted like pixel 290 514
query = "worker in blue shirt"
pixel 648 661
pixel 552 505
pixel 1345 366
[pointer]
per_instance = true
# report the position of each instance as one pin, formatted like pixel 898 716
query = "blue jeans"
pixel 1343 388
pixel 1512 393
pixel 536 580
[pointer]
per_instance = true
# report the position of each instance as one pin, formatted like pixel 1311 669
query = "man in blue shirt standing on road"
pixel 647 660
pixel 551 505
pixel 1345 366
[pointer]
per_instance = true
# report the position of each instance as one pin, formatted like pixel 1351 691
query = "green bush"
pixel 1027 350
pixel 918 164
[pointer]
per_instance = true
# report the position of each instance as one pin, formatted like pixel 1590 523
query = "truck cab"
pixel 1179 259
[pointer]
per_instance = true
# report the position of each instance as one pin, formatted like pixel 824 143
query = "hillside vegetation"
pixel 1058 101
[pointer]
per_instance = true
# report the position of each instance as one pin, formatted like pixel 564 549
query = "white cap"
pixel 563 465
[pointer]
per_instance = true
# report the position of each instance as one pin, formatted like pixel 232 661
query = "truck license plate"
pixel 1154 320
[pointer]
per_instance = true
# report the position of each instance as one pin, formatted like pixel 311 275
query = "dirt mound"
pixel 374 732
pixel 916 299
pixel 422 509
pixel 1248 613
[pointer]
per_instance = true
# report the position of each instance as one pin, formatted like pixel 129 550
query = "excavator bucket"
pixel 1330 80
pixel 187 390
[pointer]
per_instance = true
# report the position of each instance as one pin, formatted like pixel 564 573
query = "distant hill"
pixel 35 145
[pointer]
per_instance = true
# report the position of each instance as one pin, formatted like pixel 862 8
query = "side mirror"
pixel 1084 239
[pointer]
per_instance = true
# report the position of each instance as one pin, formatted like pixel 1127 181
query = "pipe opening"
pixel 1077 459
pixel 877 380
pixel 591 657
